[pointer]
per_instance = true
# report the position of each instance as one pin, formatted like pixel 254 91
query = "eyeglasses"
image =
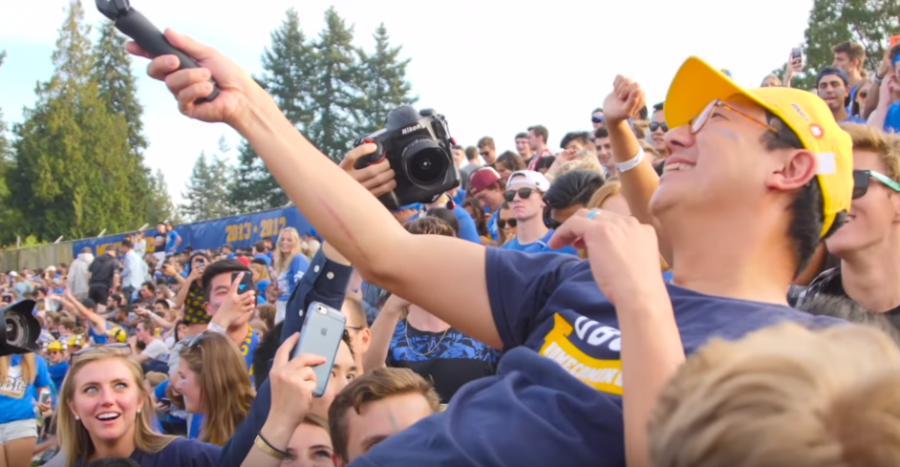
pixel 118 348
pixel 597 118
pixel 861 182
pixel 656 126
pixel 699 121
pixel 502 223
pixel 524 193
pixel 195 341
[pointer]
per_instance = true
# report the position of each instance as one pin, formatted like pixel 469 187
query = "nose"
pixel 679 138
pixel 106 398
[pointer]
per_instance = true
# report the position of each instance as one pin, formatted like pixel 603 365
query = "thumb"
pixel 188 45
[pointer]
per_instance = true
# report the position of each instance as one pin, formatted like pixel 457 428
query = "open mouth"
pixel 108 417
pixel 677 167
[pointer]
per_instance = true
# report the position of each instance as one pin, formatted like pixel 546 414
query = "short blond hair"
pixel 783 396
pixel 886 145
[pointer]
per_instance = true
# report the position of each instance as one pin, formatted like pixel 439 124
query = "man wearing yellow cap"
pixel 556 397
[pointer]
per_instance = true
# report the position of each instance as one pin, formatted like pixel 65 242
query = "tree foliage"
pixel 384 83
pixel 73 169
pixel 207 189
pixel 869 22
pixel 6 212
pixel 160 207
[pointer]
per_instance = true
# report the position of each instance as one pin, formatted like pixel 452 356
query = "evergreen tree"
pixel 160 205
pixel 112 71
pixel 384 82
pixel 73 171
pixel 289 76
pixel 207 190
pixel 336 96
pixel 6 212
pixel 869 22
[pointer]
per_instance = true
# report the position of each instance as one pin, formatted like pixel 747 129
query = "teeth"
pixel 677 166
pixel 108 416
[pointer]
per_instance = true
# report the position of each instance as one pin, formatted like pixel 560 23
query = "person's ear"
pixel 796 169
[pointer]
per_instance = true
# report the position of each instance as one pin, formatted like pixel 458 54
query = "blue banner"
pixel 240 231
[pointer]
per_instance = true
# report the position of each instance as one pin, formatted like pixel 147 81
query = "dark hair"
pixel 259 261
pixel 847 309
pixel 512 160
pixel 486 142
pixel 601 132
pixel 540 130
pixel 521 135
pixel 658 107
pixel 546 162
pixel 581 136
pixel 472 153
pixel 127 243
pixel 575 187
pixel 430 226
pixel 445 215
pixel 149 285
pixel 854 51
pixel 164 303
pixel 218 268
pixel 643 114
pixel 260 246
pixel 477 215
pixel 807 209
pixel 457 147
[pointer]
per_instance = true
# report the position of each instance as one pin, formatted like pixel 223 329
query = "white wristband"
pixel 212 327
pixel 631 163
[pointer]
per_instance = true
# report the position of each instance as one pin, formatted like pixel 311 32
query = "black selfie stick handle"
pixel 136 26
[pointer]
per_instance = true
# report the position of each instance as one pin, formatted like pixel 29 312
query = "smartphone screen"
pixel 45 397
pixel 246 283
pixel 323 328
pixel 796 52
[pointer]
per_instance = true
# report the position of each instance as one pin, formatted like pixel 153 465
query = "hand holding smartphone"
pixel 323 330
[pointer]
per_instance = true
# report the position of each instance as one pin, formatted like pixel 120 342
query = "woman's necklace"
pixel 431 348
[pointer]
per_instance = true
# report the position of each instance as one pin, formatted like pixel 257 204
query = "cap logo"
pixel 816 130
pixel 800 111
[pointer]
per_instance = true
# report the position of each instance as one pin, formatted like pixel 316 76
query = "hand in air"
pixel 236 86
pixel 624 102
pixel 377 178
pixel 236 304
pixel 623 253
pixel 293 382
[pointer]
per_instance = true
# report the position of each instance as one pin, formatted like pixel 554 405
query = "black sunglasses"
pixel 597 118
pixel 862 181
pixel 524 193
pixel 502 223
pixel 656 125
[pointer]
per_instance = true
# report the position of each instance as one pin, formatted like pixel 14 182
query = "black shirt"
pixel 102 270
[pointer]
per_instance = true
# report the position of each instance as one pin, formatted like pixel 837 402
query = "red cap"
pixel 483 178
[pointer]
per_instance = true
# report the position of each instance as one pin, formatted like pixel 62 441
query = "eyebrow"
pixel 373 440
pixel 221 287
pixel 95 383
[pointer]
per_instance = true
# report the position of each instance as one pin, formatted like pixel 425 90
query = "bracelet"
pixel 630 163
pixel 270 450
pixel 212 327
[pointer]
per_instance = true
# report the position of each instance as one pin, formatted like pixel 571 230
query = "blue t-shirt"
pixel 58 373
pixel 559 384
pixel 539 246
pixel 261 287
pixel 17 397
pixel 892 119
pixel 467 228
pixel 171 241
pixel 493 231
pixel 288 280
pixel 99 339
pixel 180 452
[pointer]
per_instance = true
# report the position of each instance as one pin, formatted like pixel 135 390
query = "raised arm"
pixel 341 210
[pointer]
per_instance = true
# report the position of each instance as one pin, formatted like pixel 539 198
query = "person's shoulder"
pixel 184 451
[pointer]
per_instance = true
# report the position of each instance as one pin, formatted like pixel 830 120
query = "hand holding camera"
pixel 378 178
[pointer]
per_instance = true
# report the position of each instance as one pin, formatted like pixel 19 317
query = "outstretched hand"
pixel 237 88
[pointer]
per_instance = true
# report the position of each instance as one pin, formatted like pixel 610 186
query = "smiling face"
pixel 107 399
pixel 833 91
pixel 188 385
pixel 872 217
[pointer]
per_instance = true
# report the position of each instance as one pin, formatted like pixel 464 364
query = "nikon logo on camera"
pixel 413 128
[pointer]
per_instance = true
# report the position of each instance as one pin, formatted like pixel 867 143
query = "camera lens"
pixel 14 330
pixel 426 163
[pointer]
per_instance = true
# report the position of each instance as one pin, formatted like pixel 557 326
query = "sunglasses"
pixel 861 182
pixel 656 126
pixel 597 119
pixel 698 122
pixel 502 223
pixel 119 348
pixel 524 193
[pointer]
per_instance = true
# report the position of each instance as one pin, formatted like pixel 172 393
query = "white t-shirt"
pixel 156 350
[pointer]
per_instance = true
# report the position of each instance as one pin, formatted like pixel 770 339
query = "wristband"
pixel 213 327
pixel 270 450
pixel 630 163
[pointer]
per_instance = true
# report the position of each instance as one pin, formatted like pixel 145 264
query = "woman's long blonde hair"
pixel 225 390
pixel 261 271
pixel 283 261
pixel 28 365
pixel 74 438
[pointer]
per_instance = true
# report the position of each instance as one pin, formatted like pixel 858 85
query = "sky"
pixel 493 68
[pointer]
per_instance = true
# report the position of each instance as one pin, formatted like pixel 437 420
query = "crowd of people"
pixel 729 256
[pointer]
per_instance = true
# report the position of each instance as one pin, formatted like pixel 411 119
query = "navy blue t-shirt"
pixel 180 452
pixel 556 397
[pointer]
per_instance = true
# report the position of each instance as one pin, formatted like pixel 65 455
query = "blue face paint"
pixel 895 60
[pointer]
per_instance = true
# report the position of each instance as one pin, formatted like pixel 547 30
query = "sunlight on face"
pixel 382 419
pixel 107 399
pixel 188 385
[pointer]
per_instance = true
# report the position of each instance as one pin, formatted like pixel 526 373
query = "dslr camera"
pixel 418 146
pixel 19 329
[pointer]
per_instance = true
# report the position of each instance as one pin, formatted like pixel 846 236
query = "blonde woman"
pixel 260 278
pixel 107 413
pixel 22 378
pixel 290 265
pixel 221 392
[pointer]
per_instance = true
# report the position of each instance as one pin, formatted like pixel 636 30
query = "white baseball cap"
pixel 528 177
pixel 13 274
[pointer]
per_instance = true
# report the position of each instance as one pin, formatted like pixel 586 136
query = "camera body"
pixel 19 329
pixel 418 146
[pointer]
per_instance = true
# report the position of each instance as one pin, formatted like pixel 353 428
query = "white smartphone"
pixel 323 329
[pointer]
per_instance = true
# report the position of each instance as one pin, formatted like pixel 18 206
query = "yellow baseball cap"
pixel 55 346
pixel 697 84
